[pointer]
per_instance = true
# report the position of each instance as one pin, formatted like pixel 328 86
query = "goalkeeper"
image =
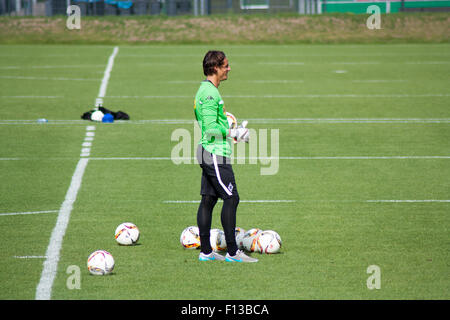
pixel 213 155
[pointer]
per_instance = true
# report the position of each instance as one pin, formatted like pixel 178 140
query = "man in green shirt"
pixel 213 155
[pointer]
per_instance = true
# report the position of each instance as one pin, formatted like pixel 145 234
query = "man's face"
pixel 223 70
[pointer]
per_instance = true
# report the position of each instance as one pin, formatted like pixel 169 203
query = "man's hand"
pixel 240 133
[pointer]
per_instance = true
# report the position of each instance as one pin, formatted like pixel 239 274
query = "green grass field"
pixel 362 128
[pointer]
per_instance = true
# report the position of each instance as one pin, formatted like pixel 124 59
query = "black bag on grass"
pixel 119 115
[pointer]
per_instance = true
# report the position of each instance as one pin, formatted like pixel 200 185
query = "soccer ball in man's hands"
pixel 232 121
pixel 127 233
pixel 190 238
pixel 217 240
pixel 100 263
pixel 237 133
pixel 250 238
pixel 268 242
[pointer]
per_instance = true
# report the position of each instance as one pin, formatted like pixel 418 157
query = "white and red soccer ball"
pixel 256 240
pixel 190 238
pixel 217 240
pixel 268 241
pixel 127 234
pixel 232 121
pixel 100 263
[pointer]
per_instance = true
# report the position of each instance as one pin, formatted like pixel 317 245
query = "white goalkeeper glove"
pixel 240 133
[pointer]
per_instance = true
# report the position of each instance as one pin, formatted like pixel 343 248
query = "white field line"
pixel 104 85
pixel 297 55
pixel 26 213
pixel 244 201
pixel 52 67
pixel 312 96
pixel 356 63
pixel 85 153
pixel 349 120
pixel 246 81
pixel 292 201
pixel 408 201
pixel 276 81
pixel 357 158
pixel 30 257
pixel 279 158
pixel 255 55
pixel 428 62
pixel 251 120
pixel 378 81
pixel 300 63
pixel 50 265
pixel 32 97
pixel 140 158
pixel 292 96
pixel 87 143
pixel 47 78
pixel 293 63
pixel 288 63
pixel 33 121
pixel 149 51
pixel 265 96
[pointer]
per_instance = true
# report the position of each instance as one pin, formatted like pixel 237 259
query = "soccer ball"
pixel 100 263
pixel 250 238
pixel 217 240
pixel 277 236
pixel 97 116
pixel 127 234
pixel 190 238
pixel 268 242
pixel 239 234
pixel 232 121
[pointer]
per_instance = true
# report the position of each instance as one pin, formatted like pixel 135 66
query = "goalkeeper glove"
pixel 240 133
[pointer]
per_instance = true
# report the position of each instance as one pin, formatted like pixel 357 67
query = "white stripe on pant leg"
pixel 216 167
pixel 44 288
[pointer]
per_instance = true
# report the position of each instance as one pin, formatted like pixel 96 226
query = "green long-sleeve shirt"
pixel 211 117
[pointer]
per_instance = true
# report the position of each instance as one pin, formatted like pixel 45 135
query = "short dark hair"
pixel 211 60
